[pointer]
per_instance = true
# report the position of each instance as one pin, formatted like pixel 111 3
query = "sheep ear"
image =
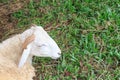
pixel 28 40
pixel 26 50
pixel 24 56
pixel 33 25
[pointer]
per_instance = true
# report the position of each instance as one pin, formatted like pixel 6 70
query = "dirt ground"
pixel 7 22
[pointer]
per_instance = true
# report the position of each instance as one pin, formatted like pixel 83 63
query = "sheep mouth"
pixel 55 57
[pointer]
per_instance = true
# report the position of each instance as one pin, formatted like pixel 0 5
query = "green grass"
pixel 88 34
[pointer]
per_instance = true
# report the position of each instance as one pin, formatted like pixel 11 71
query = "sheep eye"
pixel 41 45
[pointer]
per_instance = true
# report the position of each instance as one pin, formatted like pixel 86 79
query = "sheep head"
pixel 37 42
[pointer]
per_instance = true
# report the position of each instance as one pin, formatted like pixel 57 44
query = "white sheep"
pixel 16 53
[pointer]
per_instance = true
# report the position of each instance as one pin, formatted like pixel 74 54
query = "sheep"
pixel 16 53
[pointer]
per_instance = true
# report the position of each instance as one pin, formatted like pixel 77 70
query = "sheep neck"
pixel 13 48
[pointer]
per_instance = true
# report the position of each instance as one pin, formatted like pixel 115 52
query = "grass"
pixel 88 33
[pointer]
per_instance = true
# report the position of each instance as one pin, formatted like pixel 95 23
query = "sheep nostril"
pixel 59 53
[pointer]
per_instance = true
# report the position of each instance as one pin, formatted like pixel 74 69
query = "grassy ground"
pixel 88 33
